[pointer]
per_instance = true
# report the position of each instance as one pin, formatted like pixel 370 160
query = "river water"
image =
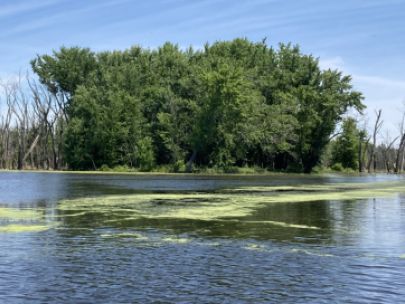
pixel 83 238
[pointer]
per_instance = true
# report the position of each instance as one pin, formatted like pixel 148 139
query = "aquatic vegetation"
pixel 175 240
pixel 131 235
pixel 23 220
pixel 213 244
pixel 402 256
pixel 283 224
pixel 317 189
pixel 255 247
pixel 14 214
pixel 220 205
pixel 22 228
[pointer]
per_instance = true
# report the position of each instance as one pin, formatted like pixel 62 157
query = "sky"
pixel 363 38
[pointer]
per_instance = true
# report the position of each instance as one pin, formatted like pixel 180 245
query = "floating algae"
pixel 22 228
pixel 322 188
pixel 283 224
pixel 130 235
pixel 24 220
pixel 402 256
pixel 218 206
pixel 255 247
pixel 13 214
pixel 175 240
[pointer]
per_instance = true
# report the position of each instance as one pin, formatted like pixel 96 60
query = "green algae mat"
pixel 227 205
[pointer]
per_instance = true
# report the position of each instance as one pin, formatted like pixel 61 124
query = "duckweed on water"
pixel 176 240
pixel 22 228
pixel 131 235
pixel 328 187
pixel 283 224
pixel 255 247
pixel 222 205
pixel 24 220
pixel 13 214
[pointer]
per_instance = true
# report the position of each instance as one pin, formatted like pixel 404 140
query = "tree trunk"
pixel 189 165
pixel 360 154
pixel 400 155
pixel 377 127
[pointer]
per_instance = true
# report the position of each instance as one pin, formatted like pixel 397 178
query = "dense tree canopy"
pixel 230 103
pixel 346 147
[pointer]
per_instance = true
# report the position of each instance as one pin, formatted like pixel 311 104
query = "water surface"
pixel 211 239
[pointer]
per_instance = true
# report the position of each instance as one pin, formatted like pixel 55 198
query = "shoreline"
pixel 146 173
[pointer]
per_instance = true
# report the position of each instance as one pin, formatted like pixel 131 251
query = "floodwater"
pixel 83 238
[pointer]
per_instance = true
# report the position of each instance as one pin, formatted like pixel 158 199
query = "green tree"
pixel 346 147
pixel 226 103
pixel 231 103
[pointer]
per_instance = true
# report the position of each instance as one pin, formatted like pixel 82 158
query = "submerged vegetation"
pixel 228 105
pixel 232 209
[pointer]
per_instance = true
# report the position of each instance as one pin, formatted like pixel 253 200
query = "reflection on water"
pixel 124 238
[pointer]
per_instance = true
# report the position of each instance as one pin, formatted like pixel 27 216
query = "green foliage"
pixel 337 167
pixel 65 70
pixel 232 104
pixel 346 147
pixel 226 104
pixel 146 157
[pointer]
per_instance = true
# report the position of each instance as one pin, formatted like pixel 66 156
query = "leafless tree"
pixel 372 155
pixel 46 108
pixel 399 159
pixel 31 126
pixel 387 149
pixel 6 118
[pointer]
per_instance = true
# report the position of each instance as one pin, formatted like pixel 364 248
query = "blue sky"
pixel 364 38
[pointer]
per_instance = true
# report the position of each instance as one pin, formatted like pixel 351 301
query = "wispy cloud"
pixel 379 92
pixel 57 18
pixel 19 7
pixel 360 38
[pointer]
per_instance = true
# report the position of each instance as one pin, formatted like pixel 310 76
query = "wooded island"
pixel 229 104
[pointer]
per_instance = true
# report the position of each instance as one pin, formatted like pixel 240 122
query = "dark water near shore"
pixel 322 251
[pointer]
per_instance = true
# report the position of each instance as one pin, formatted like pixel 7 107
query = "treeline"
pixel 357 149
pixel 31 126
pixel 234 103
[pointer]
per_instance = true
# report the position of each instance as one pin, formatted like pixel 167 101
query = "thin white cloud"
pixel 379 93
pixel 58 17
pixel 21 7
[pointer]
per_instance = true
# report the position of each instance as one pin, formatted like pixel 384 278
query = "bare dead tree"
pixel 42 107
pixel 20 108
pixel 399 159
pixel 51 116
pixel 372 155
pixel 5 126
pixel 387 148
pixel 32 125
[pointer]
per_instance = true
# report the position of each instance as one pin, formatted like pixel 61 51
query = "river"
pixel 143 238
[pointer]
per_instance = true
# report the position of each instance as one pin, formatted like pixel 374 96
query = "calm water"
pixel 356 254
